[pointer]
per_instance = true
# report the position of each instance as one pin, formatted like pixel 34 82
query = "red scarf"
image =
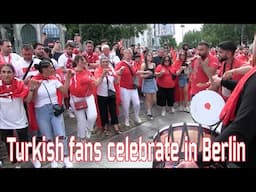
pixel 228 112
pixel 2 61
pixel 16 89
pixel 39 77
pixel 69 61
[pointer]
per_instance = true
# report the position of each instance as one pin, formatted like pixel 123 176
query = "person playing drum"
pixel 238 118
pixel 232 69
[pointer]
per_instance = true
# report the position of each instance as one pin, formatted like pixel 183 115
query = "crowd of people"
pixel 91 84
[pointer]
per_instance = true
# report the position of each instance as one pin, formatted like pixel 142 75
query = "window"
pixel 28 34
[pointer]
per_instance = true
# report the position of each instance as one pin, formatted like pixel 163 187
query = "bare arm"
pixel 120 71
pixel 33 86
pixel 143 73
pixel 30 96
pixel 241 70
pixel 64 89
pixel 209 71
pixel 99 79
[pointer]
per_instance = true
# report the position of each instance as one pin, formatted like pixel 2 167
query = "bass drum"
pixel 176 133
pixel 206 107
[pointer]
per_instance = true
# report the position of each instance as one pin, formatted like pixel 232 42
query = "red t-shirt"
pixel 177 64
pixel 198 75
pixel 243 58
pixel 166 80
pixel 90 57
pixel 81 84
pixel 236 64
pixel 126 80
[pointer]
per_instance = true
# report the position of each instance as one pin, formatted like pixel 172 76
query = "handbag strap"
pixel 107 84
pixel 107 81
pixel 130 70
pixel 47 93
pixel 28 69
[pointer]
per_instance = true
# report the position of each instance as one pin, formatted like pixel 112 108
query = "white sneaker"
pixel 126 123
pixel 67 163
pixel 70 114
pixel 36 163
pixel 150 116
pixel 54 164
pixel 138 120
pixel 163 113
pixel 88 134
pixel 186 109
pixel 172 109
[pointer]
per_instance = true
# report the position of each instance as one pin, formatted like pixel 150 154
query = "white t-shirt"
pixel 42 95
pixel 112 58
pixel 62 61
pixel 102 88
pixel 22 66
pixel 12 58
pixel 55 63
pixel 12 113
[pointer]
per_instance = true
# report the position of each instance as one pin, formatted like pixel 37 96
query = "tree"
pixel 169 39
pixel 71 30
pixel 238 33
pixel 193 38
pixel 216 33
pixel 97 32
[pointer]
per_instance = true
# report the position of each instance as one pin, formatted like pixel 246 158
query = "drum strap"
pixel 231 66
pixel 200 133
pixel 170 133
pixel 158 164
pixel 184 130
pixel 217 125
pixel 158 136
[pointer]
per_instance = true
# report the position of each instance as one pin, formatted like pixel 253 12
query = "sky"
pixel 186 28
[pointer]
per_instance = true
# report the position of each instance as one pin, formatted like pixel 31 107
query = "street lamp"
pixel 182 31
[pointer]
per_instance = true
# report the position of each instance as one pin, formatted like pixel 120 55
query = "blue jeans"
pixel 51 126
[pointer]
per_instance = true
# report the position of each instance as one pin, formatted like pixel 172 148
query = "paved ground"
pixel 145 130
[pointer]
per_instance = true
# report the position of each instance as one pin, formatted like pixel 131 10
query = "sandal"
pixel 117 130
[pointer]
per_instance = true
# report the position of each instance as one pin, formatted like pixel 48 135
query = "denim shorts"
pixel 183 80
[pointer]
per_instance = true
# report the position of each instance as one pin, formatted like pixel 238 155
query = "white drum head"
pixel 206 107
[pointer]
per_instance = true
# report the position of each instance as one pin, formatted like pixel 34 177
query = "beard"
pixel 221 59
pixel 203 56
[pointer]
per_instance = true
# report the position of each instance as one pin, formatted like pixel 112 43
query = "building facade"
pixel 151 36
pixel 20 34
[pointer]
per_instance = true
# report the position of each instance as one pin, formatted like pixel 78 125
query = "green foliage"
pixel 169 39
pixel 192 38
pixel 71 30
pixel 216 33
pixel 97 32
pixel 238 33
